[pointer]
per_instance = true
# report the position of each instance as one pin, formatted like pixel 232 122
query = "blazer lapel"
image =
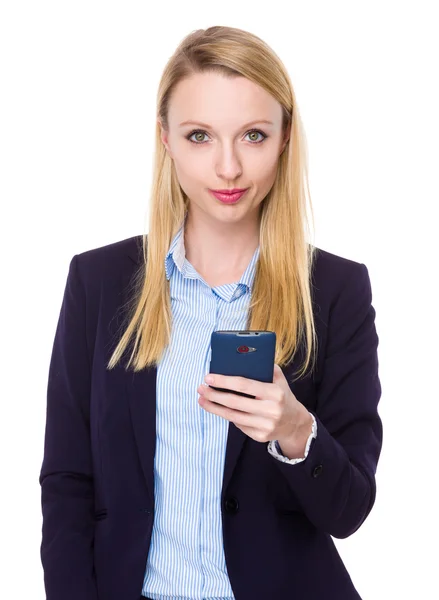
pixel 140 387
pixel 141 394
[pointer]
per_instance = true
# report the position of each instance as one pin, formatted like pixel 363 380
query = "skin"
pixel 220 239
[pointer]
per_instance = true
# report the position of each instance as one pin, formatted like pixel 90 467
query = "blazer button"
pixel 317 471
pixel 231 505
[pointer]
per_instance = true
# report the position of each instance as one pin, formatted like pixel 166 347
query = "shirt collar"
pixel 176 257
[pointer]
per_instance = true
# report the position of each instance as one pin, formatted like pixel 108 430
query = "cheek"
pixel 264 173
pixel 188 170
pixel 189 174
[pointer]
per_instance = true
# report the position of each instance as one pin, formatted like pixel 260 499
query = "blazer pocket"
pixel 101 514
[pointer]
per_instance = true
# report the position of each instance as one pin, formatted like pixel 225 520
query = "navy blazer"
pixel 97 474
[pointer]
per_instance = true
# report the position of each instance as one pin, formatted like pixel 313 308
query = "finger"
pixel 234 402
pixel 237 384
pixel 237 417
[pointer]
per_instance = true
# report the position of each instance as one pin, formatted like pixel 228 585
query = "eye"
pixel 257 131
pixel 201 132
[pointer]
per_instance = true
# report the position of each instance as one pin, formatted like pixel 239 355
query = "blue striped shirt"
pixel 186 557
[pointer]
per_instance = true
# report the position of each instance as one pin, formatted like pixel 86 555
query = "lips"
pixel 229 197
pixel 232 191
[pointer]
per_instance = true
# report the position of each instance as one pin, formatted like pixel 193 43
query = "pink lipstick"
pixel 229 196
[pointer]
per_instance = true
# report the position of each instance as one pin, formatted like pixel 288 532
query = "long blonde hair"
pixel 281 295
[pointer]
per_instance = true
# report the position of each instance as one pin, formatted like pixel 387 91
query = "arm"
pixel 335 485
pixel 66 478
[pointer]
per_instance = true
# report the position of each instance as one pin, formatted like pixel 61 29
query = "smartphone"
pixel 246 353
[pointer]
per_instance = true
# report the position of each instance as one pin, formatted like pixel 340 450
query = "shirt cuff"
pixel 274 449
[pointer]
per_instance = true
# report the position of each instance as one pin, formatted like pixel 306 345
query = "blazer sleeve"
pixel 335 486
pixel 66 477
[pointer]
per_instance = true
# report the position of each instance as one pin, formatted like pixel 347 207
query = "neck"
pixel 220 249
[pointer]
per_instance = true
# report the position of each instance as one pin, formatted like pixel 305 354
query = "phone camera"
pixel 243 349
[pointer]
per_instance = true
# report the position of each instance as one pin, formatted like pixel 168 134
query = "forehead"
pixel 221 101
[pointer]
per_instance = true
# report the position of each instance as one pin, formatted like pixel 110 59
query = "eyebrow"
pixel 210 127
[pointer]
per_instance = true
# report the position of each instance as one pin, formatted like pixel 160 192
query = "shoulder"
pixel 104 268
pixel 334 264
pixel 111 257
pixel 119 250
pixel 332 274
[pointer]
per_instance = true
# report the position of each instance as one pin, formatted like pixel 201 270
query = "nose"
pixel 228 166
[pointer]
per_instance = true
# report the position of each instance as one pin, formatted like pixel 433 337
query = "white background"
pixel 77 120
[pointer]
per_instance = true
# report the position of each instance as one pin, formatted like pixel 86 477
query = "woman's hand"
pixel 274 413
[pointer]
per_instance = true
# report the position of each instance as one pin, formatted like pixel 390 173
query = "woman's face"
pixel 232 146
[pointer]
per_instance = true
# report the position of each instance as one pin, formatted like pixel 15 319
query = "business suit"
pixel 98 521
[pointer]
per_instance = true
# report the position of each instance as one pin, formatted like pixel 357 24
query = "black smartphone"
pixel 246 353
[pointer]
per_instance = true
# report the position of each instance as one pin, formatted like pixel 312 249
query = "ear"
pixel 164 137
pixel 286 137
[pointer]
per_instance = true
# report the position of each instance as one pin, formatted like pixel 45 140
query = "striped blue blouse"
pixel 186 557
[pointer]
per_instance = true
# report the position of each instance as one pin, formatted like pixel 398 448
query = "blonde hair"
pixel 281 295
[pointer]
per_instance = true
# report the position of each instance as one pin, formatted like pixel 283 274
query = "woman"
pixel 147 492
